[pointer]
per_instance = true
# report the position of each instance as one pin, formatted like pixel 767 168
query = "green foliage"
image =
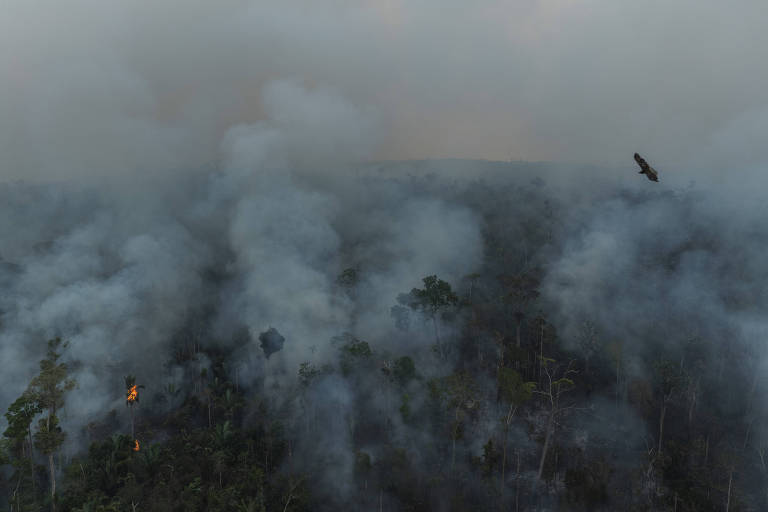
pixel 50 385
pixel 520 289
pixel 358 348
pixel 222 434
pixel 586 487
pixel 307 373
pixel 354 353
pixel 512 387
pixel 491 459
pixel 403 370
pixel 434 297
pixel 192 470
pixel 49 436
pixel 19 416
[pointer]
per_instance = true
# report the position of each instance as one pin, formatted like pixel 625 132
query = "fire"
pixel 136 445
pixel 133 395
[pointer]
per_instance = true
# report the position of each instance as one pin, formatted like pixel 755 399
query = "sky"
pixel 125 87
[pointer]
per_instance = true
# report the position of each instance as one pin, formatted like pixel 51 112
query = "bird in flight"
pixel 646 169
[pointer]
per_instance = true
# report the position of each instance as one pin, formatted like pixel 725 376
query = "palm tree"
pixel 132 398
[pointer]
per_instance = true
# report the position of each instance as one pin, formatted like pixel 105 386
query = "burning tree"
pixel 131 399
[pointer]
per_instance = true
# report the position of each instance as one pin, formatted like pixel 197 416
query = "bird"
pixel 646 169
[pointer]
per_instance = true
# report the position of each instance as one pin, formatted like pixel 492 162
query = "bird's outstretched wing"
pixel 646 169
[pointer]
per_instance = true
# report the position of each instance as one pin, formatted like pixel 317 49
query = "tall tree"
pixel 515 393
pixel 132 398
pixel 556 383
pixel 19 443
pixel 48 390
pixel 520 290
pixel 434 299
pixel 459 391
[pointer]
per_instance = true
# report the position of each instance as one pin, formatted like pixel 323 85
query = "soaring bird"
pixel 646 169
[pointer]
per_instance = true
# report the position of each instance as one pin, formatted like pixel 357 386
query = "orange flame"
pixel 133 394
pixel 136 446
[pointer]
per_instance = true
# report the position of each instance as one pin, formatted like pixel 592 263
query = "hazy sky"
pixel 103 87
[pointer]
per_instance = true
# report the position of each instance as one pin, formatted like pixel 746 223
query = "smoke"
pixel 133 273
pixel 196 174
pixel 141 87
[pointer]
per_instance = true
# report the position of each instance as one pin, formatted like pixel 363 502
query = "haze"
pixel 107 87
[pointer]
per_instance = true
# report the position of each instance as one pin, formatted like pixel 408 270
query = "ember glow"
pixel 133 395
pixel 136 445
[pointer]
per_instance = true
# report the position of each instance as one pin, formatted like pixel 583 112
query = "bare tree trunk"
pixel 752 390
pixel 453 451
pixel 550 424
pixel 728 500
pixel 53 481
pixel 507 422
pixel 692 408
pixel 618 381
pixel 706 451
pixel 437 337
pixel 541 350
pixel 661 423
pixel 746 436
pixel 31 463
pixel 517 483
pixel 455 435
pixel 504 466
pixel 29 431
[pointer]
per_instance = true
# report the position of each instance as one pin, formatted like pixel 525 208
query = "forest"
pixel 412 336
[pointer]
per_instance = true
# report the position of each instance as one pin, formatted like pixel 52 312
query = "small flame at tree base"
pixel 136 445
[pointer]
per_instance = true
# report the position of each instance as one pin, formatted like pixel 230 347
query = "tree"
pixel 19 441
pixel 515 392
pixel 4 457
pixel 519 291
pixel 403 370
pixel 436 297
pixel 353 353
pixel 19 416
pixel 554 388
pixel 460 393
pixel 131 398
pixel 48 390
